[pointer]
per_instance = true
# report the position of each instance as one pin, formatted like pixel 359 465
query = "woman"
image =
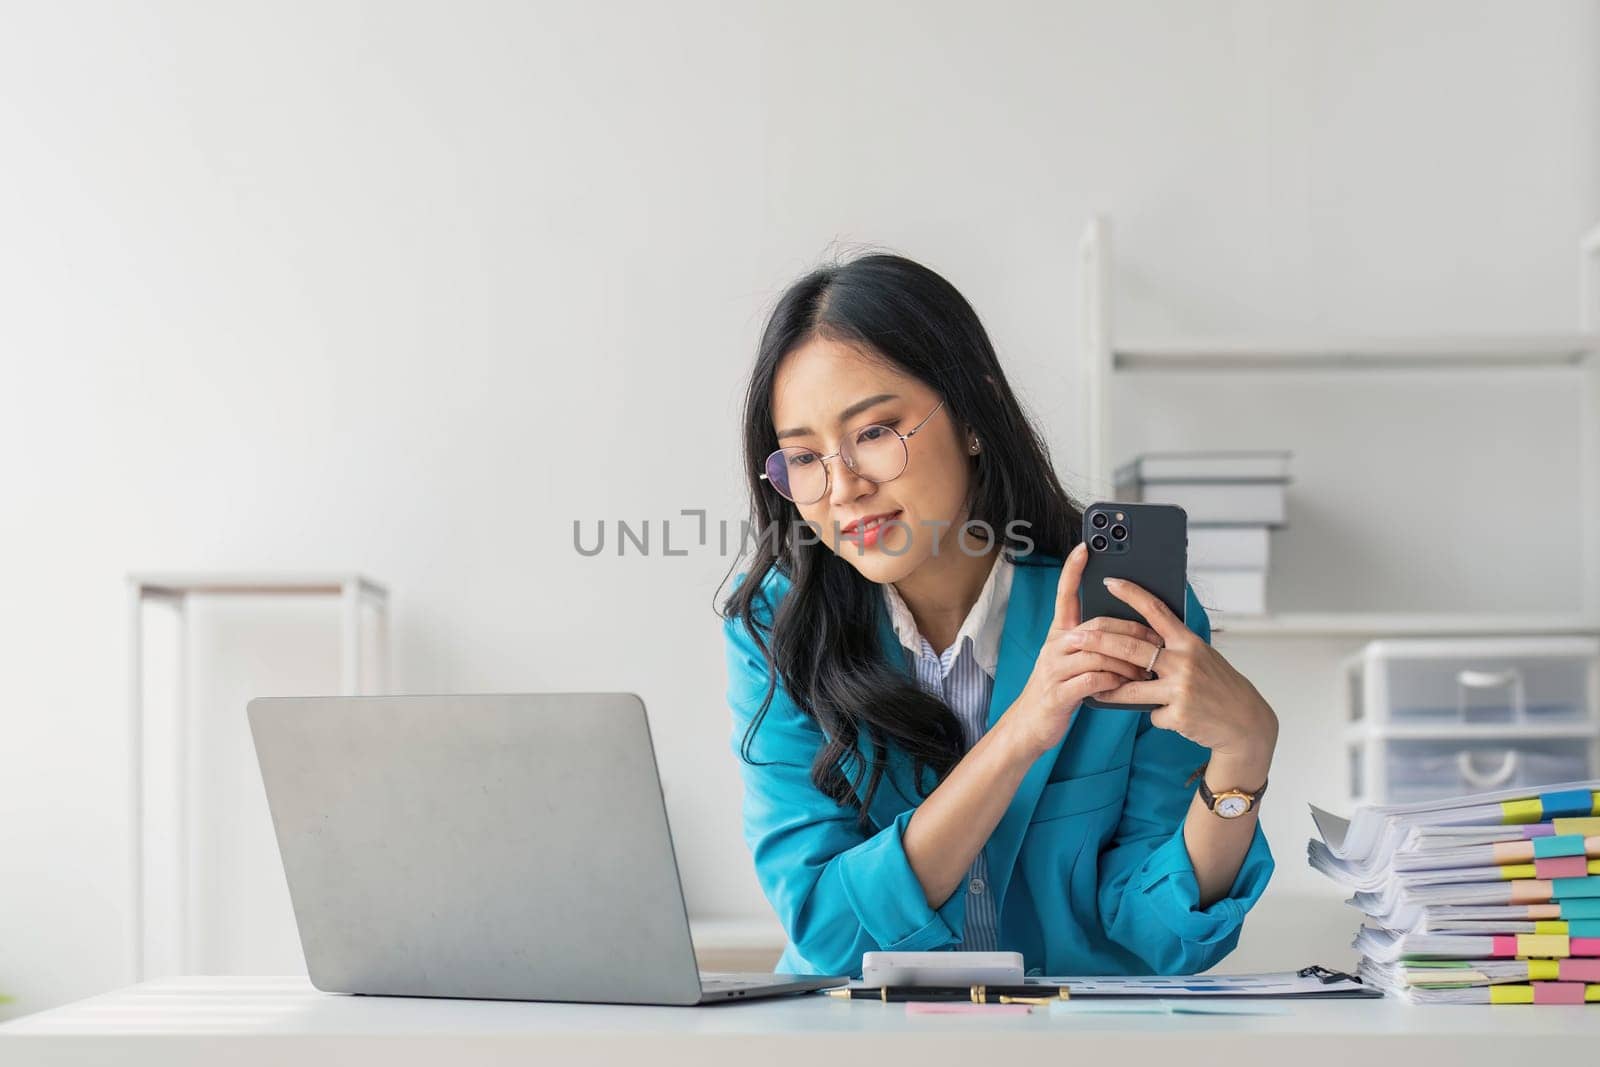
pixel 908 670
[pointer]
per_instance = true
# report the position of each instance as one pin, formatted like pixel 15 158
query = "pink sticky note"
pixel 1561 867
pixel 1579 970
pixel 1558 992
pixel 959 1007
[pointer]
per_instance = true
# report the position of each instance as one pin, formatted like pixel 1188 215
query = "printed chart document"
pixel 1309 982
pixel 1306 983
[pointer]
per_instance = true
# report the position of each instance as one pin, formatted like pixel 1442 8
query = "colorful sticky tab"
pixel 1567 804
pixel 1533 891
pixel 1563 888
pixel 1580 970
pixel 1504 852
pixel 1511 994
pixel 1561 867
pixel 1544 970
pixel 1545 848
pixel 1582 908
pixel 1540 945
pixel 1558 992
pixel 1571 803
pixel 1521 811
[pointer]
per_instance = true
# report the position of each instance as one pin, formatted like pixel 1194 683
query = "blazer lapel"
pixel 1028 616
pixel 891 798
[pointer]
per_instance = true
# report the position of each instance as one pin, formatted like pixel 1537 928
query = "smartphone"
pixel 1146 544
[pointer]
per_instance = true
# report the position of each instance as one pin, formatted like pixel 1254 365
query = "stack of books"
pixel 1492 898
pixel 1232 500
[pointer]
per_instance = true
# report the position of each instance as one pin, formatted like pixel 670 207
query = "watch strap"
pixel 1210 798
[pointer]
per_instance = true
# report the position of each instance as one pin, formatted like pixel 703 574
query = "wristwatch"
pixel 1231 803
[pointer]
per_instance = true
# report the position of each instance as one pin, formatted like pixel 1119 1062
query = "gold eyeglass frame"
pixel 827 471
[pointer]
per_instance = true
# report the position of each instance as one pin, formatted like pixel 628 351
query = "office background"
pixel 412 288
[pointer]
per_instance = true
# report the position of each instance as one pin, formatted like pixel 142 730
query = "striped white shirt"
pixel 963 677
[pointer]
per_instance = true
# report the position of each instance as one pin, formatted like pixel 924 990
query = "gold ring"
pixel 1151 667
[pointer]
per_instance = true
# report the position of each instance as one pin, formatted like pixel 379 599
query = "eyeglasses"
pixel 877 453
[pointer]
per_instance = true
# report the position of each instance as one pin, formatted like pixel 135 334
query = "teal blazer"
pixel 1087 865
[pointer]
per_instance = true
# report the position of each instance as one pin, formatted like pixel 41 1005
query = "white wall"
pixel 408 288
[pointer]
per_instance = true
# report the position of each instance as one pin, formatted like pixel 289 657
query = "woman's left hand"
pixel 1200 695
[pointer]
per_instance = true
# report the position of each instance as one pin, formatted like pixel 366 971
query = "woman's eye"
pixel 802 460
pixel 871 433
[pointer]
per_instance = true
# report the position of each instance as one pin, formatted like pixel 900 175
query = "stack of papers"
pixel 1492 898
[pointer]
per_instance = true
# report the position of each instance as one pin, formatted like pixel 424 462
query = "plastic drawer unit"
pixel 1433 718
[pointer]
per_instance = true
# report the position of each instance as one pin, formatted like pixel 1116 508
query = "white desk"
pixel 243 1022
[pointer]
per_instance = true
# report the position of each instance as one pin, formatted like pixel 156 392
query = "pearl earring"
pixel 973 448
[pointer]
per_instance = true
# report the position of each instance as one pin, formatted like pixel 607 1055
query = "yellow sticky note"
pixel 1522 811
pixel 1544 945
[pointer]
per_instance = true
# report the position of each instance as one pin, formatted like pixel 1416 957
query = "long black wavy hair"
pixel 822 641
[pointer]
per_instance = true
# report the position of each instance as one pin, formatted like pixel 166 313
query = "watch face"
pixel 1232 806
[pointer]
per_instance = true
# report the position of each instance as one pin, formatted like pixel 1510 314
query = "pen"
pixel 977 994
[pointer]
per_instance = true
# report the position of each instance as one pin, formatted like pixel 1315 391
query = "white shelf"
pixel 167 842
pixel 1374 353
pixel 1373 624
pixel 1103 358
pixel 173 583
pixel 1359 733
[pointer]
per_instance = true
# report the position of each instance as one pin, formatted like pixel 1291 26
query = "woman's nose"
pixel 844 483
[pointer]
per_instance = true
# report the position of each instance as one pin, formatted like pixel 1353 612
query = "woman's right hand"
pixel 1064 675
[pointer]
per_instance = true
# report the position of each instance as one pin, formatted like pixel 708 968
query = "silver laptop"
pixel 510 846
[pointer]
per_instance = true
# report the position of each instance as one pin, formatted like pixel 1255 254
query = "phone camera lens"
pixel 1099 520
pixel 1119 532
pixel 1098 542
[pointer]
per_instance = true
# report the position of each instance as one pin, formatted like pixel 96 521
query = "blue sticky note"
pixel 1545 848
pixel 1208 1006
pixel 1572 802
